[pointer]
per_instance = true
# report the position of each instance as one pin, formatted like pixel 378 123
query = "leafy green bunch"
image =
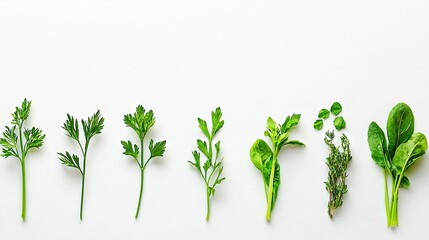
pixel 91 127
pixel 141 121
pixel 396 154
pixel 337 161
pixel 265 158
pixel 212 167
pixel 18 140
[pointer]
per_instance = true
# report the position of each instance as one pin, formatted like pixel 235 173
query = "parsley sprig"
pixel 91 127
pixel 18 140
pixel 141 121
pixel 212 168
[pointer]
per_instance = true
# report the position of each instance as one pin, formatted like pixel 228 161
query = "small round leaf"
pixel 336 108
pixel 339 123
pixel 318 124
pixel 324 113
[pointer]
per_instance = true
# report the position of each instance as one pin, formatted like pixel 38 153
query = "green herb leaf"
pixel 212 167
pixel 318 124
pixel 260 152
pixel 336 108
pixel 141 122
pixel 378 145
pixel 339 123
pixel 18 140
pixel 157 149
pixel 407 153
pixel 324 114
pixel 400 126
pixel 93 125
pixel 130 149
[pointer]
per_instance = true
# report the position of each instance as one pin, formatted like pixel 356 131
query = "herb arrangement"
pixel 91 127
pixel 397 154
pixel 141 122
pixel 265 158
pixel 18 140
pixel 338 158
pixel 211 170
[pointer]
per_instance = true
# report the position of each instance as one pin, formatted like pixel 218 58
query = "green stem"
pixel 81 194
pixel 84 152
pixel 270 188
pixel 141 191
pixel 208 203
pixel 386 198
pixel 24 201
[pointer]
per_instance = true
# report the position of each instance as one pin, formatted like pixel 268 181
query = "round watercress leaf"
pixel 318 124
pixel 339 123
pixel 324 113
pixel 336 108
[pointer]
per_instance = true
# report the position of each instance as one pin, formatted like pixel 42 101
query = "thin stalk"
pixel 141 191
pixel 24 198
pixel 270 188
pixel 83 178
pixel 142 166
pixel 208 203
pixel 386 198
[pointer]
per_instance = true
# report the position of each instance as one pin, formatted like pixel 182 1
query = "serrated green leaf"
pixel 157 149
pixel 130 149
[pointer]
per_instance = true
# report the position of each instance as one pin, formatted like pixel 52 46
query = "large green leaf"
pixel 267 173
pixel 408 152
pixel 400 126
pixel 260 152
pixel 378 145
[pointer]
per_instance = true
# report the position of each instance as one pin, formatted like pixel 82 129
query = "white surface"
pixel 182 59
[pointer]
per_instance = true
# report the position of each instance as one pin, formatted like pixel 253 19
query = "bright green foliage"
pixel 211 169
pixel 396 154
pixel 318 124
pixel 336 108
pixel 339 123
pixel 17 141
pixel 141 122
pixel 265 159
pixel 337 162
pixel 324 114
pixel 91 127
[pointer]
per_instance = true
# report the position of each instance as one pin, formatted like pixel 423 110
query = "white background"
pixel 182 59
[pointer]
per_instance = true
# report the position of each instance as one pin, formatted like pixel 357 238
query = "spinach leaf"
pixel 400 126
pixel 378 145
pixel 260 153
pixel 408 152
